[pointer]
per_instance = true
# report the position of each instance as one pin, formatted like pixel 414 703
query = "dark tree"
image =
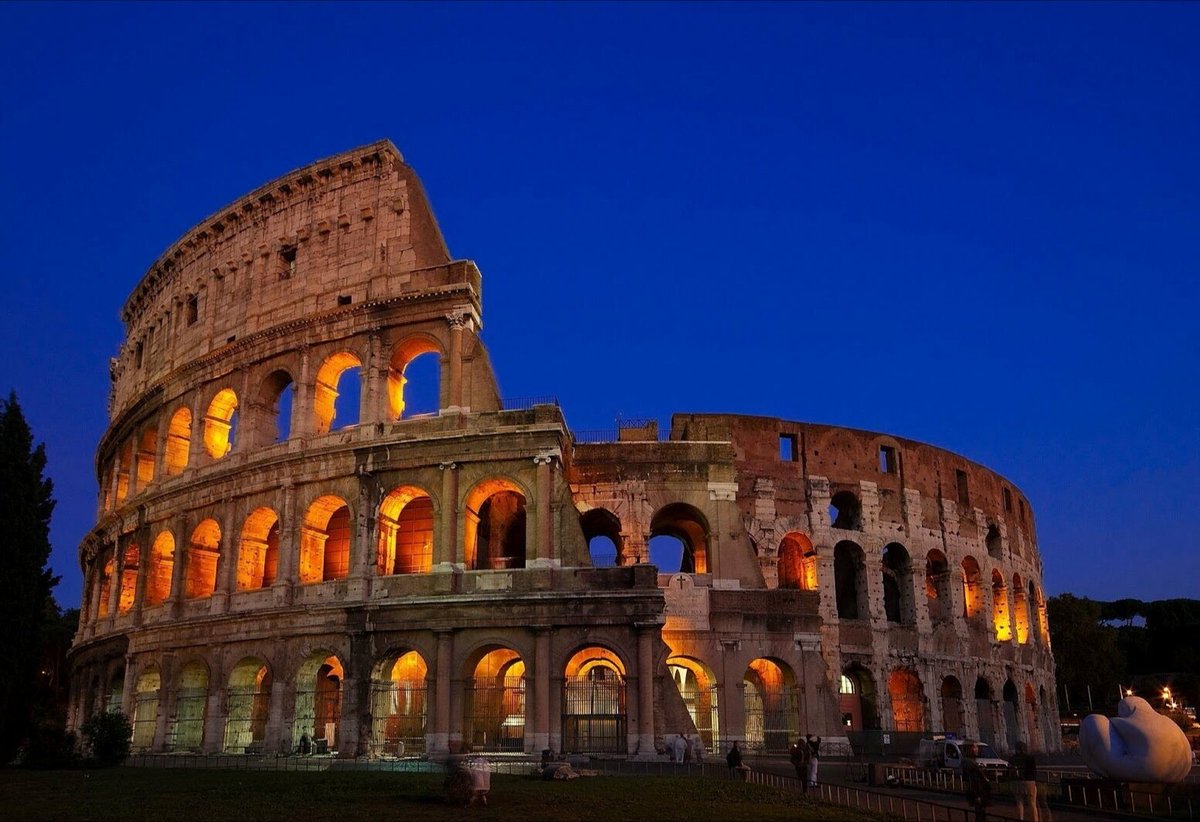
pixel 25 508
pixel 1085 651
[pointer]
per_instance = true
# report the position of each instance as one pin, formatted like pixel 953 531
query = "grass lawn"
pixel 150 794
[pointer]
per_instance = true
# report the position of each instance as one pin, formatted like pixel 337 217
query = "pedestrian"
pixel 814 748
pixel 687 749
pixel 975 782
pixel 734 758
pixel 1025 783
pixel 698 749
pixel 801 756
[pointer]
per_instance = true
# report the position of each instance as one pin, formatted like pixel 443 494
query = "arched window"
pixel 845 511
pixel 273 412
pixel 952 707
pixel 985 711
pixel 129 575
pixel 258 551
pixel 697 687
pixel 797 563
pixel 247 705
pixel 108 568
pixel 325 541
pixel 1020 606
pixel 593 717
pixel 1012 713
pixel 179 442
pixel 897 584
pixel 337 393
pixel 220 424
pixel 405 532
pixel 849 577
pixel 602 530
pixel 145 458
pixel 399 695
pixel 162 566
pixel 495 718
pixel 495 526
pixel 856 699
pixel 992 541
pixel 204 551
pixel 1001 619
pixel 770 705
pixel 908 700
pixel 937 587
pixel 191 702
pixel 413 378
pixel 972 588
pixel 318 702
pixel 145 709
pixel 124 460
pixel 679 530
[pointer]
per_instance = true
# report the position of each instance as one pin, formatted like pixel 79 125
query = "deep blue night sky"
pixel 972 225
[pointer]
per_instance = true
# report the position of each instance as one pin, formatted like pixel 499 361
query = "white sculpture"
pixel 1138 745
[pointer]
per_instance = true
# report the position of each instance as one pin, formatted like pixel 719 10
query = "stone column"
pixel 455 395
pixel 214 717
pixel 373 407
pixel 179 568
pixel 273 736
pixel 449 554
pixel 226 562
pixel 165 703
pixel 127 688
pixel 645 687
pixel 544 551
pixel 285 573
pixel 143 569
pixel 114 588
pixel 362 557
pixel 439 738
pixel 302 411
pixel 541 688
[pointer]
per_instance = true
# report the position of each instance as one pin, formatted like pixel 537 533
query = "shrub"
pixel 107 737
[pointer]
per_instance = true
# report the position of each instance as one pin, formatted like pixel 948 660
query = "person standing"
pixel 975 783
pixel 734 758
pixel 814 749
pixel 1025 785
pixel 801 756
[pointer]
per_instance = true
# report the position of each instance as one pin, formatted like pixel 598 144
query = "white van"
pixel 947 752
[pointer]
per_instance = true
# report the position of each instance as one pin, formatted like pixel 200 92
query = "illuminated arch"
pixel 129 574
pixel 1001 617
pixel 1020 607
pixel 406 532
pixel 593 702
pixel 857 700
pixel 770 704
pixel 908 700
pixel 495 718
pixel 179 442
pixel 124 460
pixel 203 553
pixel 144 458
pixel 326 392
pixel 145 708
pixel 403 355
pixel 220 423
pixel 108 568
pixel 972 580
pixel 797 563
pixel 273 409
pixel 191 707
pixel 494 532
pixel 697 686
pixel 325 540
pixel 247 704
pixel 162 567
pixel 318 713
pixel 399 696
pixel 258 550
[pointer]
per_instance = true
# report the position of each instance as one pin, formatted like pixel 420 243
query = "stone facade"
pixel 282 564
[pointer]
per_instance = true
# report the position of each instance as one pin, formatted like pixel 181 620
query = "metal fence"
pixel 525 403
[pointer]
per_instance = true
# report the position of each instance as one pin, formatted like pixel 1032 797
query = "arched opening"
pixel 325 541
pixel 908 701
pixel 203 553
pixel 399 693
pixel 952 707
pixel 108 569
pixel 984 712
pixel 124 460
pixel 1039 608
pixel 1001 618
pixel 129 575
pixel 273 414
pixel 602 530
pixel 405 532
pixel 845 511
pixel 413 379
pixel 992 540
pixel 1020 610
pixel 247 706
pixel 191 701
pixel 145 709
pixel 972 581
pixel 1011 714
pixel 145 458
pixel 856 699
pixel 593 712
pixel 258 550
pixel 162 566
pixel 937 587
pixel 849 579
pixel 698 687
pixel 689 530
pixel 897 585
pixel 494 535
pixel 318 703
pixel 337 394
pixel 1033 719
pixel 770 705
pixel 495 718
pixel 115 692
pixel 797 563
pixel 179 442
pixel 220 424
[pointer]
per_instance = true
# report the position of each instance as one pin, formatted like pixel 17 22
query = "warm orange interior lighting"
pixel 203 554
pixel 218 424
pixel 403 354
pixel 1000 613
pixel 162 565
pixel 129 574
pixel 260 539
pixel 405 532
pixel 325 391
pixel 325 541
pixel 179 442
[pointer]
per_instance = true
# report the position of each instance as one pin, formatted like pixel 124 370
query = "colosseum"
pixel 290 557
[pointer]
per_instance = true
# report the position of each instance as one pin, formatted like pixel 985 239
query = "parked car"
pixel 947 753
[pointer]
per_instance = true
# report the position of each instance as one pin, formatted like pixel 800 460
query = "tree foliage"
pixel 1085 650
pixel 26 504
pixel 107 736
